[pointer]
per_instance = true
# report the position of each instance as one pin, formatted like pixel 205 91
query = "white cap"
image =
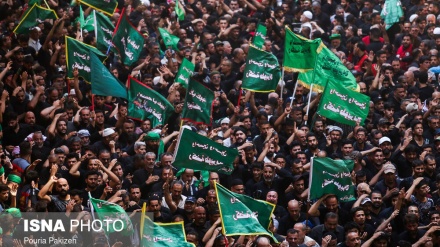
pixel 308 14
pixel 384 139
pixel 36 28
pixel 413 17
pixel 411 107
pixel 437 30
pixel 72 92
pixel 225 121
pixel 156 80
pixel 107 132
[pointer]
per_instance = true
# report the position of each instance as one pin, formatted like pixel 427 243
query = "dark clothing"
pixel 318 232
pixel 286 223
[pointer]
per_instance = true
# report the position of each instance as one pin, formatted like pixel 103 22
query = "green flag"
pixel 299 52
pixel 186 69
pixel 243 215
pixel 260 36
pixel 261 72
pixel 106 6
pixel 198 152
pixel 103 81
pixel 179 11
pixel 328 176
pixel 128 41
pixel 328 67
pixel 113 217
pixel 198 103
pixel 81 19
pixel 32 17
pixel 77 55
pixel 169 40
pixel 104 30
pixel 89 23
pixel 391 12
pixel 163 234
pixel 343 105
pixel 144 102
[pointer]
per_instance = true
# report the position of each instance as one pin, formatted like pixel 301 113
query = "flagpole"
pixel 93 215
pixel 308 103
pixel 282 83
pixel 294 92
pixel 96 24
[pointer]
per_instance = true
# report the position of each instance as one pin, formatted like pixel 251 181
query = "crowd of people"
pixel 60 143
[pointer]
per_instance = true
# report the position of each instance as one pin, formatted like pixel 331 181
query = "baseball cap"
pixel 384 139
pixel 411 107
pixel 218 42
pixel 365 200
pixel 191 199
pixel 83 132
pixel 225 121
pixel 387 168
pixel 107 132
pixel 383 121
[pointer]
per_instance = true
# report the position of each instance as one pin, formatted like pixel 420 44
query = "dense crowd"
pixel 60 143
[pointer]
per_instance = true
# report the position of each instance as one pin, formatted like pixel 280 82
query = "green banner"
pixel 261 72
pixel 89 23
pixel 344 105
pixel 128 41
pixel 144 102
pixel 243 215
pixel 328 67
pixel 198 152
pixel 104 32
pixel 163 234
pixel 77 56
pixel 328 176
pixel 103 81
pixel 179 11
pixel 186 70
pixel 260 36
pixel 31 18
pixel 106 6
pixel 198 103
pixel 113 216
pixel 169 40
pixel 299 52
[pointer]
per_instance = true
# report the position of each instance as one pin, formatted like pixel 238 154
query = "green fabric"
pixel 144 102
pixel 198 152
pixel 31 17
pixel 14 178
pixel 81 20
pixel 77 55
pixel 343 105
pixel 104 31
pixel 260 36
pixel 328 68
pixel 110 212
pixel 243 215
pixel 108 6
pixel 169 40
pixel 186 70
pixel 198 103
pixel 391 12
pixel 179 11
pixel 261 72
pixel 15 212
pixel 163 234
pixel 152 136
pixel 128 41
pixel 103 81
pixel 299 52
pixel 2 170
pixel 330 176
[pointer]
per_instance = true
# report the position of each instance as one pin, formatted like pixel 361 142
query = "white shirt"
pixel 180 205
